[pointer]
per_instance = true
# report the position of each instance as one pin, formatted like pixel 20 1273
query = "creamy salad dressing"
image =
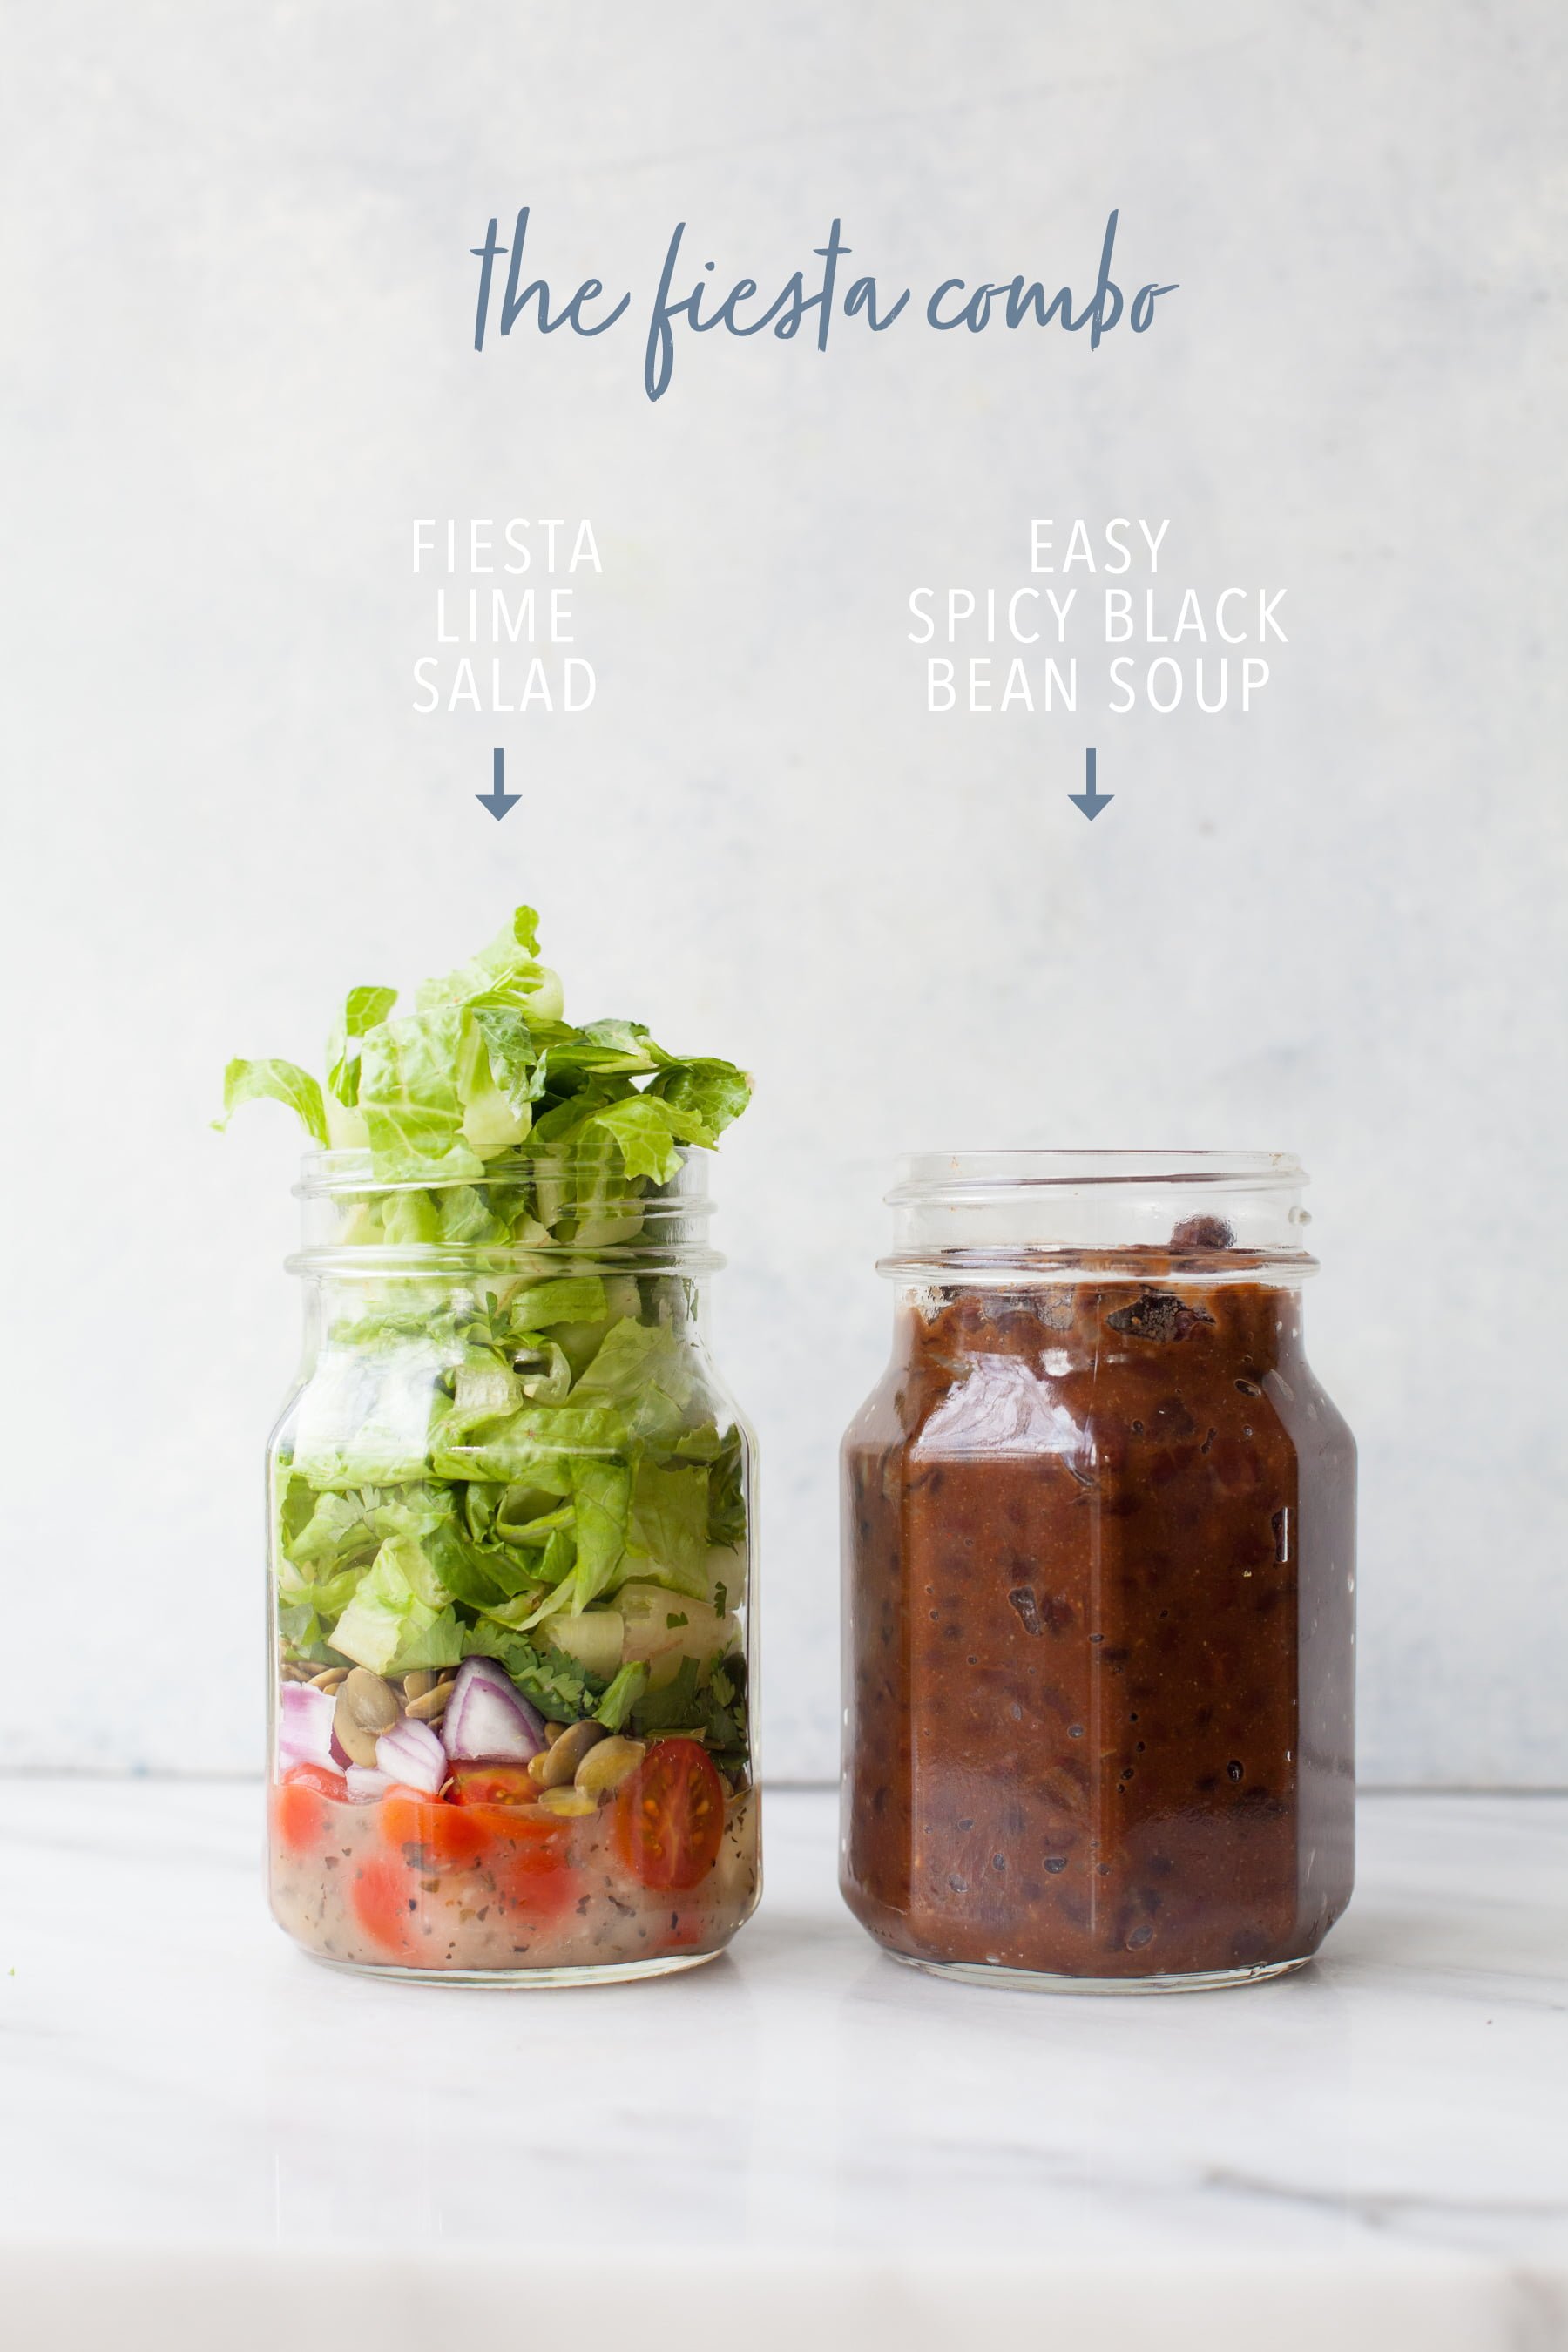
pixel 352 1886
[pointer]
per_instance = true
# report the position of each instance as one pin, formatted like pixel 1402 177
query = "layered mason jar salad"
pixel 510 1500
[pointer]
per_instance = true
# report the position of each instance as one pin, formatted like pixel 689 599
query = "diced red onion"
pixel 366 1784
pixel 410 1753
pixel 488 1720
pixel 304 1727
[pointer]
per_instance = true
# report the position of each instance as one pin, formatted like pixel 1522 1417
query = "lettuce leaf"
pixel 625 1688
pixel 574 1299
pixel 667 1539
pixel 515 1054
pixel 460 1472
pixel 506 972
pixel 408 1098
pixel 646 1370
pixel 366 1417
pixel 410 1220
pixel 337 1524
pixel 705 1095
pixel 450 1563
pixel 364 1010
pixel 467 1218
pixel 532 1502
pixel 530 1445
pixel 726 1496
pixel 401 1615
pixel 283 1081
pixel 645 1131
pixel 488 1065
pixel 487 1390
pixel 601 1503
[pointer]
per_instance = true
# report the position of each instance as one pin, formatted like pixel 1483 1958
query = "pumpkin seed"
pixel 332 1680
pixel 559 1764
pixel 431 1705
pixel 356 1739
pixel 370 1700
pixel 607 1765
pixel 416 1685
pixel 366 1708
pixel 569 1804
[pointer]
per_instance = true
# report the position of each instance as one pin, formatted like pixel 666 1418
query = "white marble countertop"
pixel 207 2142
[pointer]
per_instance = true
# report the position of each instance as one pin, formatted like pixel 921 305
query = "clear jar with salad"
pixel 510 1500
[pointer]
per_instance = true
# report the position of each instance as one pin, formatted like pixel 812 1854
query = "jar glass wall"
pixel 1099 1579
pixel 511 1515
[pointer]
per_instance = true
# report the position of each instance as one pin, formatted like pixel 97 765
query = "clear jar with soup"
pixel 1098 1581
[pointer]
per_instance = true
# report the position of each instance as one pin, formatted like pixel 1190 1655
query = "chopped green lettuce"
pixel 271 1081
pixel 622 1695
pixel 485 1464
pixel 409 1101
pixel 487 1067
pixel 647 1370
pixel 530 1441
pixel 707 1095
pixel 401 1615
pixel 667 1542
pixel 364 1010
pixel 577 1299
pixel 601 1501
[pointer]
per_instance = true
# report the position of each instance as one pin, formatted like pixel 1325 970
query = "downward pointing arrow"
pixel 1089 800
pixel 497 799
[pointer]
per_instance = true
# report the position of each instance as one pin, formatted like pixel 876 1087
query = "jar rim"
pixel 1040 1214
pixel 938 1175
pixel 327 1172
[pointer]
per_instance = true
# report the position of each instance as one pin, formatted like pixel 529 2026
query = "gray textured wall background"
pixel 238 312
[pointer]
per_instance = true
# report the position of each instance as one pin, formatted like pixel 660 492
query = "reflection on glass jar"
pixel 511 1544
pixel 1099 1571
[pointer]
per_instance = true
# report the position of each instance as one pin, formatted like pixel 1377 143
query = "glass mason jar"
pixel 1099 1579
pixel 511 1558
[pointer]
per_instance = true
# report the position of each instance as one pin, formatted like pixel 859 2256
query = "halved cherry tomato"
pixel 299 1819
pixel 385 1896
pixel 531 1861
pixel 493 1784
pixel 443 1836
pixel 669 1816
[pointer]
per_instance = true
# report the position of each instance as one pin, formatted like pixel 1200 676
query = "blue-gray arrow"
pixel 497 799
pixel 1089 800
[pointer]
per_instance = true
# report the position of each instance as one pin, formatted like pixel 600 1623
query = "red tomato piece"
pixel 492 1784
pixel 670 1815
pixel 385 1894
pixel 300 1820
pixel 443 1837
pixel 530 1855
